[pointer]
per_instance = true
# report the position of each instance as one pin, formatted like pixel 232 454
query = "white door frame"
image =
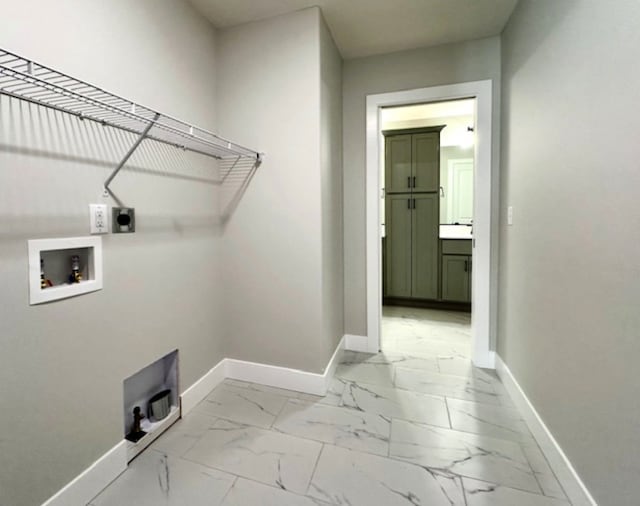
pixel 482 274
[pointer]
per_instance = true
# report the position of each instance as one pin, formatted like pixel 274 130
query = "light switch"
pixel 510 215
pixel 98 218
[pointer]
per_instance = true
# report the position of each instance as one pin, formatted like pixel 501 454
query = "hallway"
pixel 414 425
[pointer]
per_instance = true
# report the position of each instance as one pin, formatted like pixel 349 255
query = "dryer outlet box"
pixel 123 220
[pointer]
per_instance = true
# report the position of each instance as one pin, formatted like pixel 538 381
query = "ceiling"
pixel 368 27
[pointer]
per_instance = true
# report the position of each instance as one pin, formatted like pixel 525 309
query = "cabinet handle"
pixel 408 203
pixel 414 203
pixel 466 266
pixel 408 181
pixel 414 181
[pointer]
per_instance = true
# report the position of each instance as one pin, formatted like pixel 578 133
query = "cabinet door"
pixel 456 274
pixel 398 246
pixel 426 162
pixel 424 250
pixel 398 163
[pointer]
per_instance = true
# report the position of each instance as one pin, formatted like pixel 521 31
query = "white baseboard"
pixel 92 480
pixel 201 388
pixel 567 476
pixel 485 359
pixel 335 359
pixel 283 377
pixel 106 469
pixel 356 343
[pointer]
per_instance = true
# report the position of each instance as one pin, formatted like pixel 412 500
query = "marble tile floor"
pixel 414 425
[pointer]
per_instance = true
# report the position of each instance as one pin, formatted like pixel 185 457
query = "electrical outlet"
pixel 98 218
pixel 510 215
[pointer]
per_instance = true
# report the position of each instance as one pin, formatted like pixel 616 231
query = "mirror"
pixel 456 185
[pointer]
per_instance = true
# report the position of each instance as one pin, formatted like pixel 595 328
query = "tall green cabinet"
pixel 412 181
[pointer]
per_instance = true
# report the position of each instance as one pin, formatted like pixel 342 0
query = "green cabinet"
pixel 424 245
pixel 398 224
pixel 411 256
pixel 456 278
pixel 398 169
pixel 412 160
pixel 412 207
pixel 456 270
pixel 426 161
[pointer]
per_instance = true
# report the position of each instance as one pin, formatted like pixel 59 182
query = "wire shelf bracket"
pixel 132 150
pixel 24 79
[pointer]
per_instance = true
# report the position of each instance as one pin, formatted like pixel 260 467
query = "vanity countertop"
pixel 455 231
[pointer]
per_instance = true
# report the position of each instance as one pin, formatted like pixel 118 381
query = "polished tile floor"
pixel 416 424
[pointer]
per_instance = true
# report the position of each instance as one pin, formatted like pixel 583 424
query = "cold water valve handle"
pixel 76 275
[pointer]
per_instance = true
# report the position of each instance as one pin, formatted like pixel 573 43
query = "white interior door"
pixel 460 198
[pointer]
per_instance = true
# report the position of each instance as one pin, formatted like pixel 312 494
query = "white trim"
pixel 38 295
pixel 283 377
pixel 335 359
pixel 488 360
pixel 193 395
pixel 276 376
pixel 356 343
pixel 482 273
pixel 574 487
pixel 92 480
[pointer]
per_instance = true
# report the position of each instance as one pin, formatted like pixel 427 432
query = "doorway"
pixel 482 276
pixel 426 215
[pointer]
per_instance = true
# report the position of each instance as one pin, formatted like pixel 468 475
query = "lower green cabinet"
pixel 411 246
pixel 424 246
pixel 456 278
pixel 399 211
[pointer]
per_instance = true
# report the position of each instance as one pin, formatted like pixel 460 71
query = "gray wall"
pixel 569 274
pixel 269 95
pixel 447 64
pixel 62 364
pixel 331 181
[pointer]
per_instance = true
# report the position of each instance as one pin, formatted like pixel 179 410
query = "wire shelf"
pixel 25 79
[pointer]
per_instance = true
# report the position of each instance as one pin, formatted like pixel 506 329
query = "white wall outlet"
pixel 98 218
pixel 510 215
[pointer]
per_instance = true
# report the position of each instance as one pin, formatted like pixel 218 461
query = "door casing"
pixel 484 275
